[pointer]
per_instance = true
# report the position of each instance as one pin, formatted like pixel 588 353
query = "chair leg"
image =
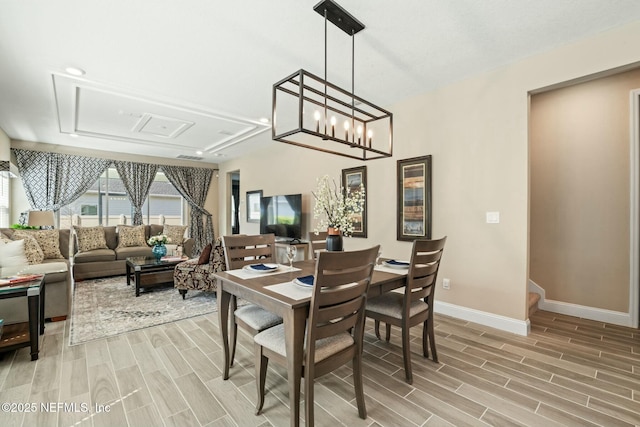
pixel 377 328
pixel 432 340
pixel 261 363
pixel 425 348
pixel 388 336
pixel 357 384
pixel 308 401
pixel 233 329
pixel 406 353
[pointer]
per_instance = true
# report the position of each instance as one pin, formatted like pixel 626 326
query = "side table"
pixel 25 334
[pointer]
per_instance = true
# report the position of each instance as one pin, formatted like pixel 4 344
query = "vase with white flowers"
pixel 158 242
pixel 335 209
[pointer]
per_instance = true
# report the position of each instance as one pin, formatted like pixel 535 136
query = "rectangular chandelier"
pixel 310 112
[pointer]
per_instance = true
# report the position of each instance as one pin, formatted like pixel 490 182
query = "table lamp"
pixel 41 219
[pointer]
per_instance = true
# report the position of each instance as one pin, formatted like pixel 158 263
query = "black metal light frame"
pixel 305 92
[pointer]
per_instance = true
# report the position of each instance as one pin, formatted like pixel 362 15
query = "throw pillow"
pixel 4 238
pixel 205 255
pixel 90 238
pixel 32 249
pixel 129 236
pixel 12 254
pixel 175 233
pixel 49 241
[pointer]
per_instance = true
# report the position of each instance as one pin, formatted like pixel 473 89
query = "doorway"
pixel 584 198
pixel 235 202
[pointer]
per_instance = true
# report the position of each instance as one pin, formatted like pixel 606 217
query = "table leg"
pixel 42 302
pixel 33 302
pixel 137 279
pixel 224 298
pixel 294 327
pixel 128 274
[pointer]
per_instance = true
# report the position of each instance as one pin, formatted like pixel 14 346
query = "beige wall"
pixel 477 132
pixel 19 202
pixel 580 234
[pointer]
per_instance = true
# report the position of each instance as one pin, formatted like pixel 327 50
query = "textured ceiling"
pixel 171 77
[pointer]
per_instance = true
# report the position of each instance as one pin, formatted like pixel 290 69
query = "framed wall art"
pixel 351 180
pixel 253 205
pixel 414 198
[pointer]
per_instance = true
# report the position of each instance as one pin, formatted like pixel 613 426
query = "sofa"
pixel 103 251
pixel 197 273
pixel 53 263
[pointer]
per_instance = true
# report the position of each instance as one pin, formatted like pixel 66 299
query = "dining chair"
pixel 335 327
pixel 317 242
pixel 415 304
pixel 241 250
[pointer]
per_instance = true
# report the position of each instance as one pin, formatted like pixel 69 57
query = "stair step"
pixel 533 302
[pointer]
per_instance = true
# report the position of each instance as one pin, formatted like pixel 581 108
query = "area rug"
pixel 108 307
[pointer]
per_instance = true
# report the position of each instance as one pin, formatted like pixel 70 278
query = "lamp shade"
pixel 41 218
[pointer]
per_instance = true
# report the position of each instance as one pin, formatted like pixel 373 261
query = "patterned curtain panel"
pixel 52 180
pixel 137 179
pixel 193 185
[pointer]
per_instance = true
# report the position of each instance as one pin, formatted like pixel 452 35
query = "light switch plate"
pixel 493 217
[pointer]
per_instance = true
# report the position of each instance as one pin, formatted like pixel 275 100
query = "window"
pixel 4 199
pixel 107 203
pixel 88 210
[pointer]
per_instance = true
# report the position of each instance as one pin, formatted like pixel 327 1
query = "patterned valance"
pixel 53 180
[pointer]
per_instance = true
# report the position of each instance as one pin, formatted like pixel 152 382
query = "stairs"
pixel 533 302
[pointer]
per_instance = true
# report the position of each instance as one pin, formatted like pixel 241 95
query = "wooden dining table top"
pixel 381 281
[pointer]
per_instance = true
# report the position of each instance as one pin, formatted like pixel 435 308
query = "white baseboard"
pixel 507 324
pixel 591 313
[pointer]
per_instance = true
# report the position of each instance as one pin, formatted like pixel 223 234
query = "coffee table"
pixel 148 272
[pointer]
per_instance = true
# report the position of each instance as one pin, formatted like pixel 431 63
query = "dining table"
pixel 278 292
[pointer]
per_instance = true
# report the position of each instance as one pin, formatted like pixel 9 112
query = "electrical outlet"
pixel 446 284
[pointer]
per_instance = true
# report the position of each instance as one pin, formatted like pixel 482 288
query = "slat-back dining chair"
pixel 317 242
pixel 415 305
pixel 241 250
pixel 335 326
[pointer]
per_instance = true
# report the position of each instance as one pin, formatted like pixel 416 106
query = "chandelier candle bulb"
pixel 316 116
pixel 333 127
pixel 346 130
pixel 359 135
pixel 370 136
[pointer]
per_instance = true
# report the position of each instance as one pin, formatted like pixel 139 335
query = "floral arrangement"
pixel 159 240
pixel 335 206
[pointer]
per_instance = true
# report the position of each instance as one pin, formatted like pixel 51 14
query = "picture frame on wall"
pixel 253 205
pixel 414 198
pixel 351 180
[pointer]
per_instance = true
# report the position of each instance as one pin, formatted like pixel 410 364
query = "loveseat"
pixel 52 261
pixel 103 251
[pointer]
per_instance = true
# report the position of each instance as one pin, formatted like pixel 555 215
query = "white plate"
pixel 302 284
pixel 273 268
pixel 386 264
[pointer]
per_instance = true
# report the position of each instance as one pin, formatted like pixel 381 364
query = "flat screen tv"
pixel 282 216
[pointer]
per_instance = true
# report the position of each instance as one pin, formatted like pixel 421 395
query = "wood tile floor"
pixel 567 372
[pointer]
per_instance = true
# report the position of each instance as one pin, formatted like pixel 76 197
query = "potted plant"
pixel 334 210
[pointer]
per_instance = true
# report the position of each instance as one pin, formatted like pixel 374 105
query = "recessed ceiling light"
pixel 264 120
pixel 73 135
pixel 74 71
pixel 199 153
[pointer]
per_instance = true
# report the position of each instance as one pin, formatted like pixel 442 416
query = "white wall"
pixel 477 132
